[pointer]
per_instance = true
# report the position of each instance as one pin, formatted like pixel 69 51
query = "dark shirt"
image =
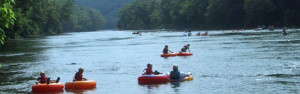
pixel 78 76
pixel 165 51
pixel 175 75
pixel 183 49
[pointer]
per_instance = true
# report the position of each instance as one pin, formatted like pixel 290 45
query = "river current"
pixel 241 62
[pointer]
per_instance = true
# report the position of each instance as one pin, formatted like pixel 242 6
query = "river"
pixel 243 62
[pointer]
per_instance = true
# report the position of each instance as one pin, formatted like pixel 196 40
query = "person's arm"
pixel 144 72
pixel 75 77
pixel 37 81
pixel 151 72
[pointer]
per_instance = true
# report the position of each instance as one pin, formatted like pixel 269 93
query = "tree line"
pixel 25 18
pixel 109 9
pixel 209 14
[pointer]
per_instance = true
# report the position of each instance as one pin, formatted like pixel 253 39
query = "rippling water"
pixel 244 62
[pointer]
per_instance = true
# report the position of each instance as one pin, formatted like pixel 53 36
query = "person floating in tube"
pixel 175 74
pixel 166 50
pixel 186 47
pixel 284 31
pixel 148 70
pixel 79 75
pixel 44 79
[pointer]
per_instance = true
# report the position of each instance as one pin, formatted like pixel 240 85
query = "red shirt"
pixel 78 76
pixel 43 79
pixel 148 71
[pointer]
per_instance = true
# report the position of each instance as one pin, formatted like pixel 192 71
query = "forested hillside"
pixel 109 8
pixel 209 14
pixel 24 18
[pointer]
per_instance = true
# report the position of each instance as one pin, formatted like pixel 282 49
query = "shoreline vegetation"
pixel 46 17
pixel 209 14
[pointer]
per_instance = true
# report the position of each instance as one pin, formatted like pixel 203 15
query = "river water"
pixel 244 62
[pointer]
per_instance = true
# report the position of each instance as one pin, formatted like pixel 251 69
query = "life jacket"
pixel 78 76
pixel 43 79
pixel 148 71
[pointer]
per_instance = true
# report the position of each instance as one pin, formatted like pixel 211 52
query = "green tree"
pixel 7 17
pixel 209 14
pixel 259 12
pixel 217 15
pixel 108 8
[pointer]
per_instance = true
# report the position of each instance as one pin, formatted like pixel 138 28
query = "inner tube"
pixel 184 54
pixel 48 87
pixel 153 79
pixel 206 34
pixel 86 84
pixel 169 54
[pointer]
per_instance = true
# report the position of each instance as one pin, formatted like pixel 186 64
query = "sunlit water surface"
pixel 244 62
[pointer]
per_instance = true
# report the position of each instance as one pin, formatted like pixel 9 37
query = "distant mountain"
pixel 109 9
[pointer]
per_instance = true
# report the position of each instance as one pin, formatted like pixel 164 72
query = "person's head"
pixel 149 65
pixel 166 46
pixel 80 70
pixel 188 45
pixel 43 74
pixel 175 67
pixel 284 27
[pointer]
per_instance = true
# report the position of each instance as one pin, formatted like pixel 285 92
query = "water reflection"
pixel 175 86
pixel 82 91
pixel 152 88
pixel 54 92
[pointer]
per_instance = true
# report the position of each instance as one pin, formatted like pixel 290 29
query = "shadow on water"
pixel 24 57
pixel 17 46
pixel 16 56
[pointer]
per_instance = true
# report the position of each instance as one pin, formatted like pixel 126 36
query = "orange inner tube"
pixel 169 54
pixel 87 84
pixel 190 77
pixel 185 54
pixel 153 79
pixel 48 87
